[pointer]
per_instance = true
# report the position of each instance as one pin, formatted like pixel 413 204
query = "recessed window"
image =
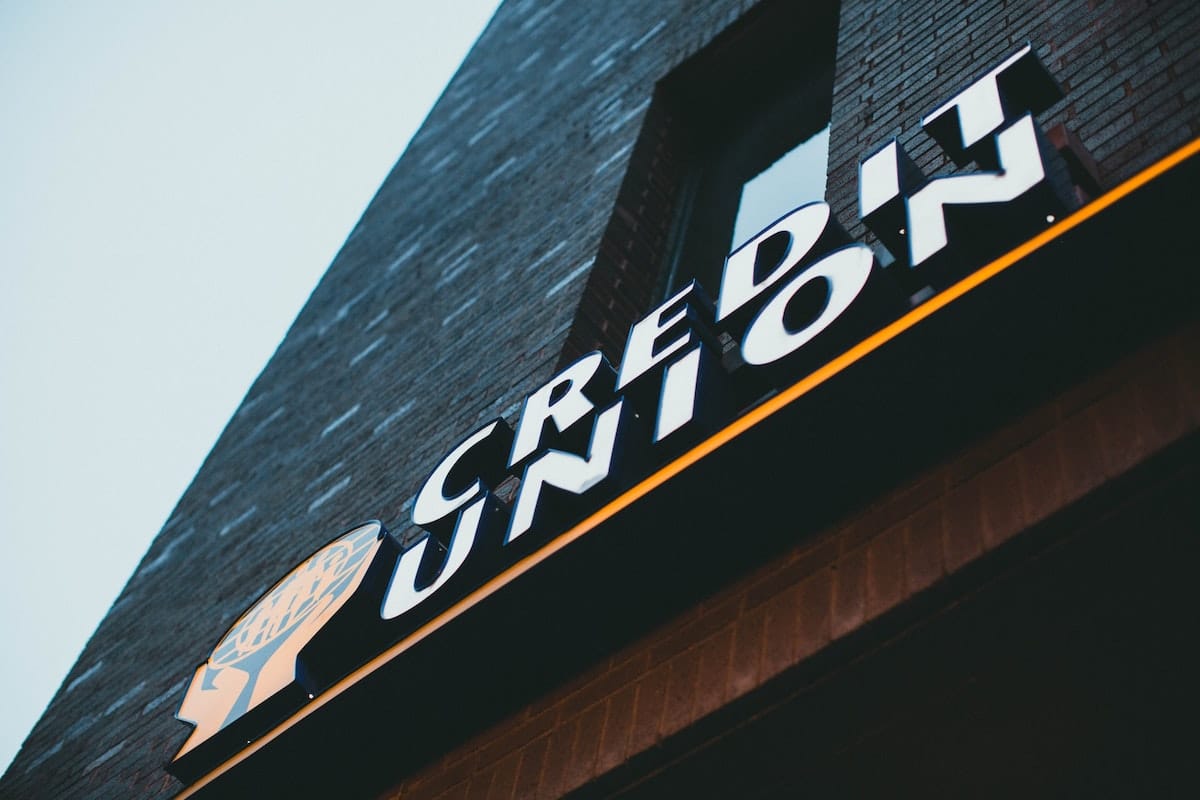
pixel 752 112
pixel 735 136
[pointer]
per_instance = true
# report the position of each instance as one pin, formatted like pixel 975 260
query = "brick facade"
pixel 520 229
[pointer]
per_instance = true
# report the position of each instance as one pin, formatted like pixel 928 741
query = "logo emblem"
pixel 258 662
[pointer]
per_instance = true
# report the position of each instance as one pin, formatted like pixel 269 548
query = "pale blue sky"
pixel 174 178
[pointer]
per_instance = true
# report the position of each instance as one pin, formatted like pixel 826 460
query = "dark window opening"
pixel 752 113
pixel 731 127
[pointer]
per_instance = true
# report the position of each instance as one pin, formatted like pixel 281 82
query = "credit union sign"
pixel 793 298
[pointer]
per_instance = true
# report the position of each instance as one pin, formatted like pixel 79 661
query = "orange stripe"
pixel 714 442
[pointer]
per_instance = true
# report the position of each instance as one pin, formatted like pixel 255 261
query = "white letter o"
pixel 767 339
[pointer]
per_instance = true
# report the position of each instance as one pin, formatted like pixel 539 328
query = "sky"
pixel 174 179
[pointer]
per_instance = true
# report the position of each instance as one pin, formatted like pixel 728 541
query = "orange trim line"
pixel 716 441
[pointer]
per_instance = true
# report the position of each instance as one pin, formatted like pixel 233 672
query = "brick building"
pixel 945 547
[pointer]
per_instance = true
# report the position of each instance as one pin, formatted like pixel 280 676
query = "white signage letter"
pixel 402 592
pixel 988 122
pixel 476 462
pixel 1020 170
pixel 801 228
pixel 845 270
pixel 433 505
pixel 657 339
pixel 567 471
pixel 569 397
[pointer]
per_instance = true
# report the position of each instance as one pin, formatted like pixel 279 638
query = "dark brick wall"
pixel 455 295
pixel 1129 70
pixel 624 281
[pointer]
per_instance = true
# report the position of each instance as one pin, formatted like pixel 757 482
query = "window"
pixel 734 137
pixel 753 111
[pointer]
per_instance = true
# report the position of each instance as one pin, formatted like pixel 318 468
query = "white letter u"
pixel 402 593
